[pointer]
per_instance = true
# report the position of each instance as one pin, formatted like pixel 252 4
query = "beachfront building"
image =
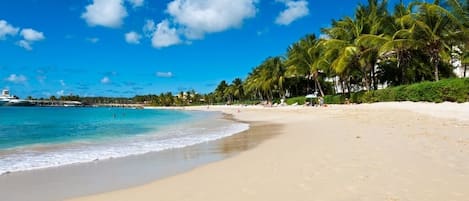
pixel 460 69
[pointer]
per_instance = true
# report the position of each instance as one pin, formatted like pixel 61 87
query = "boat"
pixel 7 100
pixel 5 97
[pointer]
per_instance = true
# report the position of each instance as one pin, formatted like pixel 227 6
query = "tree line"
pixel 376 47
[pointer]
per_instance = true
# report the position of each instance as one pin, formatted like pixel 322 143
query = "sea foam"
pixel 170 138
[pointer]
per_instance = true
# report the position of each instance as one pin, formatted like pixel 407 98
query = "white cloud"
pixel 105 80
pixel 92 40
pixel 32 35
pixel 198 17
pixel 62 82
pixel 7 29
pixel 136 3
pixel 164 74
pixel 60 93
pixel 25 44
pixel 17 79
pixel 295 10
pixel 164 36
pixel 149 28
pixel 107 13
pixel 29 35
pixel 133 37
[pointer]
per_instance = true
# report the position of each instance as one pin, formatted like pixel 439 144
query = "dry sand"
pixel 389 152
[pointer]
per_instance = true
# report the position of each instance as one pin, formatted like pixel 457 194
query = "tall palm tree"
pixel 238 90
pixel 394 43
pixel 304 59
pixel 268 79
pixel 220 91
pixel 460 9
pixel 376 22
pixel 435 29
pixel 253 83
pixel 341 49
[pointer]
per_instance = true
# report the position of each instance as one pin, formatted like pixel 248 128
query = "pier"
pixel 56 103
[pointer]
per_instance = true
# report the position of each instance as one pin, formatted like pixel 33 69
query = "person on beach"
pixel 321 101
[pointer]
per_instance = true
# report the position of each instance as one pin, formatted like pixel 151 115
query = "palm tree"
pixel 267 80
pixel 238 90
pixel 394 43
pixel 435 29
pixel 274 76
pixel 376 20
pixel 220 91
pixel 304 59
pixel 460 9
pixel 252 84
pixel 342 51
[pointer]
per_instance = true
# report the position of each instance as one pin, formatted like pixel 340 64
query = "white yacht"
pixel 5 97
pixel 8 100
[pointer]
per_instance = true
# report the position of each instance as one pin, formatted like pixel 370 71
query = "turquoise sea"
pixel 41 137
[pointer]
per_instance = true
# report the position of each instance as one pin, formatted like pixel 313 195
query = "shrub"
pixel 334 99
pixel 452 90
pixel 300 100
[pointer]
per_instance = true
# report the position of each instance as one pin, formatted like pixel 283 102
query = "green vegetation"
pixel 453 90
pixel 298 100
pixel 357 54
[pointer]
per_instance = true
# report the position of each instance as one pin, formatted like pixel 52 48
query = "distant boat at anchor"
pixel 7 100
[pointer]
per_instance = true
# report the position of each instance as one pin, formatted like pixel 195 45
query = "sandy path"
pixel 366 152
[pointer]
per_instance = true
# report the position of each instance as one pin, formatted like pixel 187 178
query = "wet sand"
pixel 352 152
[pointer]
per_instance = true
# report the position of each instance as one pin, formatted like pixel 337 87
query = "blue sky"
pixel 128 47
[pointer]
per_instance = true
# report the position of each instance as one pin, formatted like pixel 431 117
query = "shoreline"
pixel 95 177
pixel 169 133
pixel 352 152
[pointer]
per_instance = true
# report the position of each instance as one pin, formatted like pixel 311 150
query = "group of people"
pixel 319 102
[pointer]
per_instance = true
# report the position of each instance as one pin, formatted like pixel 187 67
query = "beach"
pixel 385 151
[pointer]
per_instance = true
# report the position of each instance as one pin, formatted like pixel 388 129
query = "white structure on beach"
pixel 459 69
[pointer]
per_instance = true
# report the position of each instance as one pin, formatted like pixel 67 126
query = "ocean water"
pixel 41 137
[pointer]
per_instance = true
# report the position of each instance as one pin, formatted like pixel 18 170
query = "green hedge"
pixel 300 100
pixel 452 90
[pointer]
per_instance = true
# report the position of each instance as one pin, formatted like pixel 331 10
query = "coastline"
pixel 346 152
pixel 59 183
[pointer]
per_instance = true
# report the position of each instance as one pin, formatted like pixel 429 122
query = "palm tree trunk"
pixel 349 87
pixel 317 83
pixel 401 79
pixel 465 70
pixel 319 86
pixel 374 78
pixel 436 61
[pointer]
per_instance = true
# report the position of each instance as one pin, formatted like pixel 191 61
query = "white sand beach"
pixel 376 152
